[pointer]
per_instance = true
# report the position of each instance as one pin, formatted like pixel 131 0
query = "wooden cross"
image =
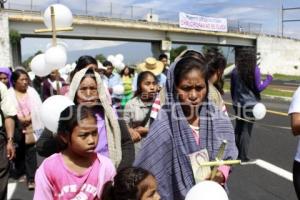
pixel 218 160
pixel 54 30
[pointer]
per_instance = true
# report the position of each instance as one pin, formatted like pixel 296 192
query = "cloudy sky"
pixel 265 15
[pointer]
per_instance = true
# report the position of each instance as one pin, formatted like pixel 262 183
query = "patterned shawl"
pixel 111 122
pixel 170 140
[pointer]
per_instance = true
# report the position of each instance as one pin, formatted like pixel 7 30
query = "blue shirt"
pixel 114 80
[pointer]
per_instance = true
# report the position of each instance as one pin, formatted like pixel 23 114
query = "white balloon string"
pixel 260 124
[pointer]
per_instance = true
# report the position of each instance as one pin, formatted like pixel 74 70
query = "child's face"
pixel 151 189
pixel 149 87
pixel 84 137
pixel 192 89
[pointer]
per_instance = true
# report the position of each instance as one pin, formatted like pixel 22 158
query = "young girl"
pixel 77 172
pixel 133 183
pixel 137 110
pixel 186 125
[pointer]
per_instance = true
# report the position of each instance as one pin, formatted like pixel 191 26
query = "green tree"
pixel 176 51
pixel 14 37
pixel 100 57
pixel 28 60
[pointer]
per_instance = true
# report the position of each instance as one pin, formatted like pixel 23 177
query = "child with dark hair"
pixel 137 110
pixel 133 183
pixel 77 172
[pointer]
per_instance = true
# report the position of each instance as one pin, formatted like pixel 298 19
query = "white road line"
pixel 11 187
pixel 276 170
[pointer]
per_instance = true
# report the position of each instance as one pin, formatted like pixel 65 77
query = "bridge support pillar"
pixel 16 54
pixel 156 49
pixel 160 47
pixel 5 48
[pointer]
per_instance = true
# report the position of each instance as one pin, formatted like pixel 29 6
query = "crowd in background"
pixel 131 134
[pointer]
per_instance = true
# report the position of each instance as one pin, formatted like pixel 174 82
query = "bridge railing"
pixel 121 11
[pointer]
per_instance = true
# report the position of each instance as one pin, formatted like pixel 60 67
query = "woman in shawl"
pixel 187 124
pixel 28 104
pixel 114 140
pixel 5 74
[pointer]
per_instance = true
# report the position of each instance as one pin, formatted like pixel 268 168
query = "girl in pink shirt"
pixel 77 172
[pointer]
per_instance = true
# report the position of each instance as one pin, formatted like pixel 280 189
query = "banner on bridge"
pixel 202 23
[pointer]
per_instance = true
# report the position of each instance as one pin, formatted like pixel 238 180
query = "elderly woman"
pixel 188 124
pixel 28 104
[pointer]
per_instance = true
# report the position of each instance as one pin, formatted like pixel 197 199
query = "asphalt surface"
pixel 275 145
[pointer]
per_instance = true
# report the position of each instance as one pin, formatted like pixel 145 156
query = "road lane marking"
pixel 11 187
pixel 274 169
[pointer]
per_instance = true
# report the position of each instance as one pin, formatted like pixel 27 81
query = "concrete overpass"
pixel 99 28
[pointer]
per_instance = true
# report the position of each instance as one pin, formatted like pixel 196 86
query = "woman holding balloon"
pixel 246 86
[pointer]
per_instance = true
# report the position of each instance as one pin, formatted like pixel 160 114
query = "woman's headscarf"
pixel 7 71
pixel 111 123
pixel 170 140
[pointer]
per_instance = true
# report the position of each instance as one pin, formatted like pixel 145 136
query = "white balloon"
pixel 116 63
pixel 63 16
pixel 51 109
pixel 58 44
pixel 120 57
pixel 259 111
pixel 31 75
pixel 56 57
pixel 207 190
pixel 111 58
pixel 39 67
pixel 119 66
pixel 118 89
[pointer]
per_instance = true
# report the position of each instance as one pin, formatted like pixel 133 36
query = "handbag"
pixel 29 134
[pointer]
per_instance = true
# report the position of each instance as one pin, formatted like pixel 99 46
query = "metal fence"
pixel 121 11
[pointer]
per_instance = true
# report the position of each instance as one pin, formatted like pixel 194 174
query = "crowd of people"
pixel 131 134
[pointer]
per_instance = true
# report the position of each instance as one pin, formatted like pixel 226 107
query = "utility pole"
pixel 2 2
pixel 289 20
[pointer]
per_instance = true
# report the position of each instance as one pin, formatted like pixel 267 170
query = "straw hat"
pixel 152 65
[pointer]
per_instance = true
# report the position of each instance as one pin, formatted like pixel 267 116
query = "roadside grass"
pixel 284 77
pixel 267 91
